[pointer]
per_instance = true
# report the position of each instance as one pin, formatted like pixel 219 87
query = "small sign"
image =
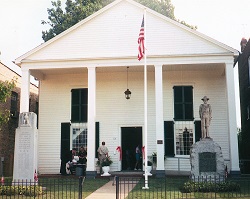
pixel 207 162
pixel 159 141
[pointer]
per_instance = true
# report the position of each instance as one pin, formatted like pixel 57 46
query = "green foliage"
pixel 150 163
pixel 5 92
pixel 227 186
pixel 75 10
pixel 164 7
pixel 106 162
pixel 21 190
pixel 6 88
pixel 154 157
pixel 60 19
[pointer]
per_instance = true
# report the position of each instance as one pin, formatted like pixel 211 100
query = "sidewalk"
pixel 108 191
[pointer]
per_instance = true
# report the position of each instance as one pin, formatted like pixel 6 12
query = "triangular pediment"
pixel 112 32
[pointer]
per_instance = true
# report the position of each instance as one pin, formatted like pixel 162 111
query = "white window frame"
pixel 179 128
pixel 75 130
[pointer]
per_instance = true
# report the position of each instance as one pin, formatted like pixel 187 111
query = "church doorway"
pixel 131 137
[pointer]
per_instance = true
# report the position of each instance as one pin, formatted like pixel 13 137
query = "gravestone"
pixel 25 156
pixel 207 162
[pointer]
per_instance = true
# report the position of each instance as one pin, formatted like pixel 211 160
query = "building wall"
pixel 113 111
pixel 244 84
pixel 164 37
pixel 7 131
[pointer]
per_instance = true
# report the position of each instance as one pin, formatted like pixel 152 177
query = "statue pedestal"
pixel 25 157
pixel 207 162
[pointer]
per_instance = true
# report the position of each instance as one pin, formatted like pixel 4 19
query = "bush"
pixel 149 163
pixel 154 157
pixel 106 162
pixel 228 186
pixel 21 190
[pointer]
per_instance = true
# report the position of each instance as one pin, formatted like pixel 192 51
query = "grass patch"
pixel 172 187
pixel 51 188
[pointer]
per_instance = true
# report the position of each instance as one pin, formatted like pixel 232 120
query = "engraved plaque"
pixel 207 162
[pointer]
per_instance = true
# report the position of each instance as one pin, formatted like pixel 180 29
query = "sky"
pixel 224 20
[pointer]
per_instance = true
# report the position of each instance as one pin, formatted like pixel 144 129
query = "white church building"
pixel 84 71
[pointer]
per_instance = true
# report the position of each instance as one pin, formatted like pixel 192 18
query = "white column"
pixel 159 117
pixel 25 91
pixel 234 155
pixel 91 118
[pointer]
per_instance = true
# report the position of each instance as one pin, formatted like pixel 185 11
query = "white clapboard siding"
pixel 113 111
pixel 113 32
pixel 177 164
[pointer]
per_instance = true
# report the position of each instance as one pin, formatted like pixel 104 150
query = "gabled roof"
pixel 113 32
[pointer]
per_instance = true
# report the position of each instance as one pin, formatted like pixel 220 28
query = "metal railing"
pixel 130 188
pixel 180 187
pixel 49 188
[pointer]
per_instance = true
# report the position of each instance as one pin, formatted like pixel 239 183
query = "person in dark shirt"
pixel 82 155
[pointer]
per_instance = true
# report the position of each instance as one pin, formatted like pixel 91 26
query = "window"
pixel 184 137
pixel 13 104
pixel 180 135
pixel 183 103
pixel 79 105
pixel 79 136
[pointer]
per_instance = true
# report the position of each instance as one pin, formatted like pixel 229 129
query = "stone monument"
pixel 25 156
pixel 207 162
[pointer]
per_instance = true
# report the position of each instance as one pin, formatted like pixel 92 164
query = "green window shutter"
pixel 75 112
pixel 183 103
pixel 65 141
pixel 79 105
pixel 197 127
pixel 169 138
pixel 97 137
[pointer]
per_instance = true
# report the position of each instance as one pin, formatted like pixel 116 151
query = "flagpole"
pixel 145 103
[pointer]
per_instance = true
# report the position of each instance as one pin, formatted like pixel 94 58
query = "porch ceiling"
pixel 182 67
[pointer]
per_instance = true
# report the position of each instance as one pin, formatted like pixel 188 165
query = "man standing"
pixel 205 112
pixel 102 152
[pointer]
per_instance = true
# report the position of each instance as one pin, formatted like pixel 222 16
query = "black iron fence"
pixel 49 188
pixel 130 188
pixel 179 187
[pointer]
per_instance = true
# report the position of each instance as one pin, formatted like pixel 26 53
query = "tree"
pixel 60 20
pixel 75 11
pixel 5 92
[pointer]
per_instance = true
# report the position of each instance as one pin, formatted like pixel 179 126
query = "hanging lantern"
pixel 127 92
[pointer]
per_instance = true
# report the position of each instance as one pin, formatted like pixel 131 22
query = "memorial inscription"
pixel 207 162
pixel 24 152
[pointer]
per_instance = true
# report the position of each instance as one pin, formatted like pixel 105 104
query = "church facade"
pixel 84 72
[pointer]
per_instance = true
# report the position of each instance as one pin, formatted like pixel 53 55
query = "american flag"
pixel 141 47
